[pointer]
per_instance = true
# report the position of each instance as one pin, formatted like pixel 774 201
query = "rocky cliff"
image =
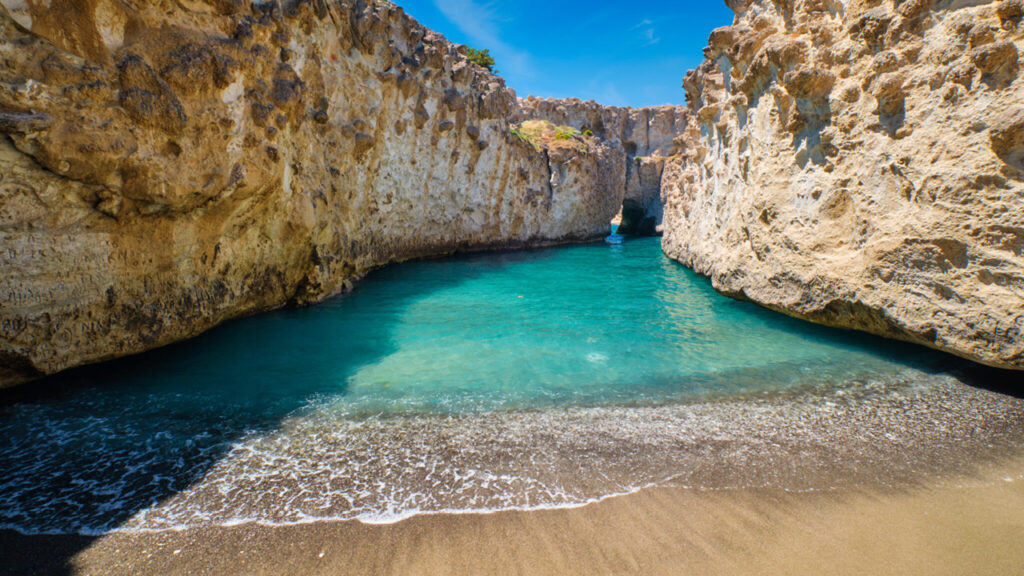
pixel 648 137
pixel 861 164
pixel 166 166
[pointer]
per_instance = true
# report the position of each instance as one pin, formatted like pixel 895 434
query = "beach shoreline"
pixel 974 526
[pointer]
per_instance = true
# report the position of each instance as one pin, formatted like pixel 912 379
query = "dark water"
pixel 522 380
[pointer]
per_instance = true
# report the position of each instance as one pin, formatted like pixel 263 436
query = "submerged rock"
pixel 858 164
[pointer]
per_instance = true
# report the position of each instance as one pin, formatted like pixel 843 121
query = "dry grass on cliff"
pixel 542 134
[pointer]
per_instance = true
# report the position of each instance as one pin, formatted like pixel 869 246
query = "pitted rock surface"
pixel 166 166
pixel 861 164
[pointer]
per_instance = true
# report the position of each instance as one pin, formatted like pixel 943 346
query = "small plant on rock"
pixel 481 58
pixel 543 134
pixel 565 132
pixel 524 135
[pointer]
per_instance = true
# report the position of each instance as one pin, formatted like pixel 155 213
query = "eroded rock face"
pixel 861 164
pixel 653 131
pixel 165 166
pixel 648 137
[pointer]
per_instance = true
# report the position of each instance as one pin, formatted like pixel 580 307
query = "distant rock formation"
pixel 648 137
pixel 861 164
pixel 165 167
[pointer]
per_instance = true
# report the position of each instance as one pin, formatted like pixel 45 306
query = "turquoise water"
pixel 514 380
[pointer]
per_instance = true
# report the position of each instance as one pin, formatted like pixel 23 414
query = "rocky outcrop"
pixel 653 131
pixel 648 137
pixel 166 166
pixel 861 164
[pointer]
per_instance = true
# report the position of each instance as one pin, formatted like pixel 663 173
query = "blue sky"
pixel 618 53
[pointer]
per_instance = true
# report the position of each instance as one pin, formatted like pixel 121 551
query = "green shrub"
pixel 524 135
pixel 482 58
pixel 565 132
pixel 541 133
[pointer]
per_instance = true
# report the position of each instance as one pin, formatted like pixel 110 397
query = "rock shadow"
pixel 85 451
pixel 808 143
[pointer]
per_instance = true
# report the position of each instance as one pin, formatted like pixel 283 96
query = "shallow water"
pixel 519 380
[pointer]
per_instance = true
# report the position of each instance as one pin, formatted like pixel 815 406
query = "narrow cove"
pixel 505 381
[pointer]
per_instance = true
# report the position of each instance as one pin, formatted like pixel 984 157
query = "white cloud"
pixel 647 32
pixel 481 23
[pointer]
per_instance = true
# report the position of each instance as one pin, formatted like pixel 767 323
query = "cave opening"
pixel 636 220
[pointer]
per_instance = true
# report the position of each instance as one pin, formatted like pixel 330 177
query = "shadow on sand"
pixel 85 451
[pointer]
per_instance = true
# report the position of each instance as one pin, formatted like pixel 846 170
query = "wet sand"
pixel 975 526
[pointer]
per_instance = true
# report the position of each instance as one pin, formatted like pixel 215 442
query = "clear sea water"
pixel 530 379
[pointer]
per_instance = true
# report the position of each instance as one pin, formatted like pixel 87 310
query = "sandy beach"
pixel 967 526
pixel 929 482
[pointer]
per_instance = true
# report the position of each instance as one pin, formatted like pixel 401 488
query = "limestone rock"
pixel 167 166
pixel 639 131
pixel 647 137
pixel 861 164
